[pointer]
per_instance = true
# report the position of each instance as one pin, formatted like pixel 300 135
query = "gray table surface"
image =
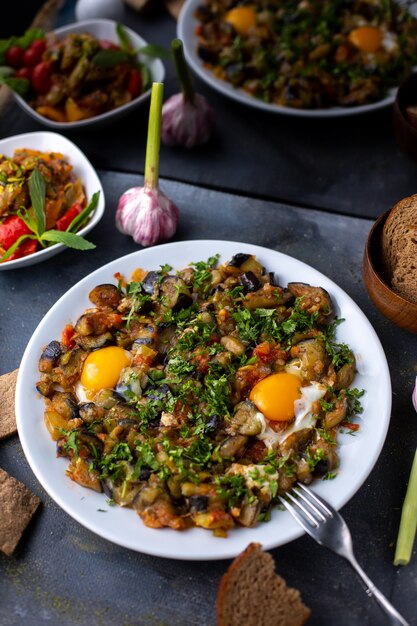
pixel 64 574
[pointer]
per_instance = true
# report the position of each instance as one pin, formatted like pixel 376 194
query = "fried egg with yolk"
pixel 275 395
pixel 101 370
pixel 304 412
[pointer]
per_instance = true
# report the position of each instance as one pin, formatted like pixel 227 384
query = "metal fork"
pixel 329 529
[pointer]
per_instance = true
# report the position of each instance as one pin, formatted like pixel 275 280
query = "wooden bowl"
pixel 394 307
pixel 406 133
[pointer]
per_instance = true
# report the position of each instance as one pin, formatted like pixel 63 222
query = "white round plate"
pixel 187 24
pixel 102 29
pixel 358 454
pixel 46 141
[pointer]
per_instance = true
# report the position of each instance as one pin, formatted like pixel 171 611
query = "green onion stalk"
pixel 408 523
pixel 145 212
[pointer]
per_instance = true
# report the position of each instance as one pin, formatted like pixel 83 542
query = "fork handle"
pixel 394 617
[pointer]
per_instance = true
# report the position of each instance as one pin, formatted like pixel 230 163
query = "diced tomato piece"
pixel 134 86
pixel 106 44
pixel 67 335
pixel 11 229
pixel 26 247
pixel 66 219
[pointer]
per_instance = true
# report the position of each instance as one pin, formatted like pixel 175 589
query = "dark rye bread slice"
pixel 251 594
pixel 399 248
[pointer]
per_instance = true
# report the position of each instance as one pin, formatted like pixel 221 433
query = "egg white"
pixel 304 416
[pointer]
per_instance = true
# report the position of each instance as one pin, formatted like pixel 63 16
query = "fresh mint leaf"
pixel 110 58
pixel 124 40
pixel 37 191
pixel 14 247
pixel 19 85
pixel 79 220
pixel 71 240
pixel 154 51
pixel 6 71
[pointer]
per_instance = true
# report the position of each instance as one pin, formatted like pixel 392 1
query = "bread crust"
pixel 399 248
pixel 246 599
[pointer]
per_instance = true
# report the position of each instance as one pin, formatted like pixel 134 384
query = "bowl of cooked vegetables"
pixel 312 59
pixel 82 74
pixel 50 197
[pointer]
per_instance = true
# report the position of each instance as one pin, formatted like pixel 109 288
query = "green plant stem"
pixel 408 523
pixel 154 137
pixel 183 72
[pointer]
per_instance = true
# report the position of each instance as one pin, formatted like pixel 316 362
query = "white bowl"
pixel 121 525
pixel 102 29
pixel 52 142
pixel 186 30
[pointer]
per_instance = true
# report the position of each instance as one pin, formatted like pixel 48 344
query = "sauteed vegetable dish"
pixel 75 77
pixel 309 53
pixel 197 397
pixel 30 178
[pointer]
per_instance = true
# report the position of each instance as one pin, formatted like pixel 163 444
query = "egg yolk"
pixel 366 38
pixel 102 368
pixel 275 395
pixel 241 18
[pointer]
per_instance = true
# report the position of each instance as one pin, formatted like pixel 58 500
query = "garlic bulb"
pixel 187 117
pixel 186 123
pixel 145 212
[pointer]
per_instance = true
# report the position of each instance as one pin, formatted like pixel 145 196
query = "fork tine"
pixel 297 516
pixel 324 505
pixel 298 505
pixel 311 505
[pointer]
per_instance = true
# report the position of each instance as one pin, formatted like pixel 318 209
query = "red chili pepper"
pixel 11 229
pixel 66 219
pixel 26 247
pixel 67 335
pixel 134 86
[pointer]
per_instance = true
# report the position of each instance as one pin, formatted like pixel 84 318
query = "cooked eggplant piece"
pixel 213 422
pixel 105 296
pixel 81 472
pixel 249 512
pixel 199 504
pixel 90 412
pixel 164 338
pixel 68 373
pixel 312 359
pixel 150 282
pixel 250 282
pixel 268 297
pixel 337 415
pixel 45 386
pixel 96 323
pixel 50 355
pixel 146 333
pixel 129 384
pixel 92 342
pixel 243 263
pixel 238 259
pixel 175 294
pixel 313 299
pixel 233 345
pixel 346 374
pixel 245 420
pixel 233 446
pixel 65 403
